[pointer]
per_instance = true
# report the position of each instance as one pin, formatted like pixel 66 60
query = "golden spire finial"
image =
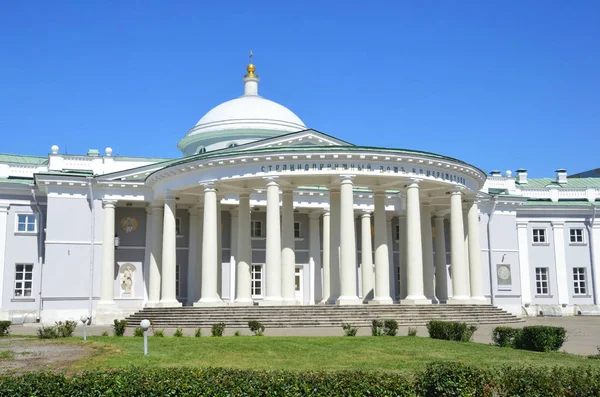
pixel 251 68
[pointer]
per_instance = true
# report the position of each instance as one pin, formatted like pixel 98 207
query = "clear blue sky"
pixel 499 84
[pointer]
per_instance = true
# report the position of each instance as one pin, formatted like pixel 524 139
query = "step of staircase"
pixel 318 315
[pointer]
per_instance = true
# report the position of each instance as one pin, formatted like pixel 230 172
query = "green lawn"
pixel 394 354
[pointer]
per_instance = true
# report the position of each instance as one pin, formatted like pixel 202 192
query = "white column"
pixel 107 281
pixel 595 276
pixel 3 225
pixel 192 254
pixel 334 245
pixel 155 270
pixel 273 255
pixel 147 245
pixel 524 270
pixel 403 284
pixel 169 255
pixel 382 259
pixel 475 275
pixel 326 257
pixel 288 242
pixel 314 252
pixel 414 248
pixel 348 268
pixel 558 229
pixel 390 239
pixel 219 249
pixel 233 257
pixel 366 250
pixel 244 253
pixel 441 273
pixel 198 269
pixel 209 295
pixel 466 235
pixel 427 241
pixel 458 267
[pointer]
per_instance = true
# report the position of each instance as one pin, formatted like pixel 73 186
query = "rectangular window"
pixel 177 280
pixel 256 280
pixel 297 230
pixel 256 229
pixel 541 281
pixel 576 236
pixel 579 287
pixel 23 279
pixel 397 233
pixel 539 236
pixel 178 226
pixel 26 223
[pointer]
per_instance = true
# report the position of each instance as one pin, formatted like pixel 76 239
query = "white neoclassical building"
pixel 262 210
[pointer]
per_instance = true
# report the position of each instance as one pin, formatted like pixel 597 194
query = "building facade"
pixel 263 210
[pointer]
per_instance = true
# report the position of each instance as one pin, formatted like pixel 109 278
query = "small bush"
pixel 390 327
pixel 349 330
pixel 105 333
pixel 541 338
pixel 505 336
pixel 238 333
pixel 119 327
pixel 138 331
pixel 452 379
pixel 47 332
pixel 376 327
pixel 159 333
pixel 451 330
pixel 66 329
pixel 198 333
pixel 5 328
pixel 218 329
pixel 257 327
pixel 412 331
pixel 178 333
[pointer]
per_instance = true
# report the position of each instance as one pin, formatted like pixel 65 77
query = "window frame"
pixel 178 222
pixel 26 214
pixel 22 281
pixel 252 229
pixel 397 233
pixel 177 280
pixel 582 236
pixel 545 235
pixel 300 236
pixel 253 280
pixel 539 289
pixel 580 281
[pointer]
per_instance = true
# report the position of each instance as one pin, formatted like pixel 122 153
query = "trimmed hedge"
pixel 438 379
pixel 504 336
pixel 450 330
pixel 5 328
pixel 540 338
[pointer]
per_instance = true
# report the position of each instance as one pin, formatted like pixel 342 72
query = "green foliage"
pixel 66 329
pixel 505 336
pixel 349 330
pixel 257 327
pixel 390 327
pixel 238 333
pixel 412 331
pixel 198 333
pixel 452 379
pixel 217 329
pixel 105 333
pixel 541 338
pixel 5 328
pixel 119 327
pixel 47 332
pixel 138 331
pixel 159 333
pixel 451 330
pixel 178 333
pixel 376 328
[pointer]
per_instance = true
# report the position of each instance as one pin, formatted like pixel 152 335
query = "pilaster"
pixel 558 230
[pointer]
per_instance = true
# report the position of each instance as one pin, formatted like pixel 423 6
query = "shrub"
pixel 451 330
pixel 105 333
pixel 178 333
pixel 66 329
pixel 198 333
pixel 47 332
pixel 412 331
pixel 505 336
pixel 119 327
pixel 376 327
pixel 349 330
pixel 541 338
pixel 452 379
pixel 138 331
pixel 390 327
pixel 159 333
pixel 218 329
pixel 238 333
pixel 257 327
pixel 5 328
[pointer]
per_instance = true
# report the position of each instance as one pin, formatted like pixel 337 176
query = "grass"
pixel 391 354
pixel 6 355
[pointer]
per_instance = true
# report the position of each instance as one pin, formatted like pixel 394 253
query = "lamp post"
pixel 84 319
pixel 145 324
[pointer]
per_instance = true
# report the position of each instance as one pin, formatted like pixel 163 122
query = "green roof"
pixel 573 183
pixel 23 181
pixel 575 203
pixel 20 159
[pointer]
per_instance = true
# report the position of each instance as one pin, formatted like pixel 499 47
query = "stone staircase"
pixel 318 315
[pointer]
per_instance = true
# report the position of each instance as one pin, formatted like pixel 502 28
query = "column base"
pixel 331 300
pixel 459 300
pixel 242 302
pixel 209 302
pixel 152 304
pixel 479 300
pixel 348 301
pixel 169 303
pixel 415 300
pixel 289 302
pixel 270 301
pixel 381 300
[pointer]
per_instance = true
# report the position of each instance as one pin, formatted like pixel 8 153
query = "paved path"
pixel 583 333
